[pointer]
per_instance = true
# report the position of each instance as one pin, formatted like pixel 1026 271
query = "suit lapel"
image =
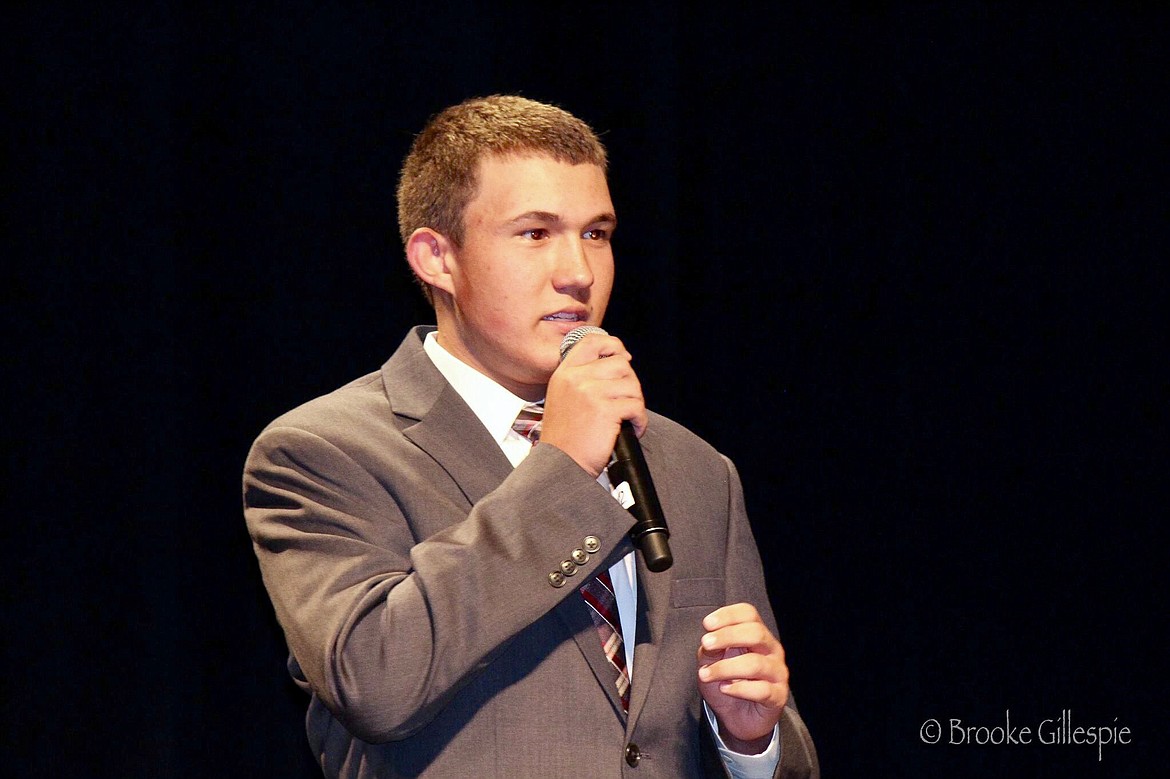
pixel 458 441
pixel 445 428
pixel 448 431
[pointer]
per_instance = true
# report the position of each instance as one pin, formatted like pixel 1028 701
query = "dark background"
pixel 918 249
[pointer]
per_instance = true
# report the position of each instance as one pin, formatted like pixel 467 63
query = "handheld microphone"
pixel 630 476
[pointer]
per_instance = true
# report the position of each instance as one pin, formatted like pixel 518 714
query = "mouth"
pixel 573 317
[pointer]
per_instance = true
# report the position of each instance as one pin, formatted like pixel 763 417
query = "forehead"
pixel 515 184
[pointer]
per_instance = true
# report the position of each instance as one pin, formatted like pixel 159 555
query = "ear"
pixel 429 254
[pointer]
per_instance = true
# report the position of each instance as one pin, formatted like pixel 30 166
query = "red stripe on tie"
pixel 598 593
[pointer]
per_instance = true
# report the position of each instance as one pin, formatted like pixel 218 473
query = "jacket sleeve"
pixel 386 626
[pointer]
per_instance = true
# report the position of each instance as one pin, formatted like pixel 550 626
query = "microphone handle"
pixel 649 532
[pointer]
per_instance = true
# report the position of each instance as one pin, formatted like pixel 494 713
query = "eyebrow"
pixel 548 216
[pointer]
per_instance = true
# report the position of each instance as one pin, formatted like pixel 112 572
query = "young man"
pixel 436 573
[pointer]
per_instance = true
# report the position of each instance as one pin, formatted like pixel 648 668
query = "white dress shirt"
pixel 497 409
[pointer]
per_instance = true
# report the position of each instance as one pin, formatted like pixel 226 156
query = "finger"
pixel 731 615
pixel 592 347
pixel 614 368
pixel 765 693
pixel 626 391
pixel 640 421
pixel 753 636
pixel 748 665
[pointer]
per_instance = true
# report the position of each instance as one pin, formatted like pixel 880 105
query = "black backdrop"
pixel 919 247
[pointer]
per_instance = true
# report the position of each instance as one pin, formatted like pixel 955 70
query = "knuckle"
pixel 758 665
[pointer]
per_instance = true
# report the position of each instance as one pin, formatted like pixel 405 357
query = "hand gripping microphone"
pixel 630 476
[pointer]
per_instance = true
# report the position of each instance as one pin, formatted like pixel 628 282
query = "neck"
pixel 528 392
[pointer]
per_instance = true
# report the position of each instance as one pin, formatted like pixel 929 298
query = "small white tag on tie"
pixel 623 495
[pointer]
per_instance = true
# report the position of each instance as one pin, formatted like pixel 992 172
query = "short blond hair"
pixel 438 176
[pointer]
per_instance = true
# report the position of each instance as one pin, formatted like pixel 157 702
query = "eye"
pixel 535 234
pixel 596 234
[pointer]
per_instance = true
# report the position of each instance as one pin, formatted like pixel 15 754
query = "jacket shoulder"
pixel 675 439
pixel 353 403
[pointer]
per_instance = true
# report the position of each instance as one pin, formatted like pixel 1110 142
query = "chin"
pixel 541 367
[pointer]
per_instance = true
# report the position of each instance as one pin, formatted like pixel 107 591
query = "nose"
pixel 573 271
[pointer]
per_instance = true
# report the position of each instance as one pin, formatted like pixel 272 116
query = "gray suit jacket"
pixel 409 563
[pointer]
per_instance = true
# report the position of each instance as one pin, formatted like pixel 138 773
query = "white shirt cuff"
pixel 761 766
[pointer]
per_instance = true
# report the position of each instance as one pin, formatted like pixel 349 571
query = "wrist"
pixel 744 746
pixel 584 463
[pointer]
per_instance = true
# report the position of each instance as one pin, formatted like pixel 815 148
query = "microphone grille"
pixel 576 334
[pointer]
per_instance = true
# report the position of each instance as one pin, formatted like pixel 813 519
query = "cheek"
pixel 603 279
pixel 505 295
pixel 494 312
pixel 480 292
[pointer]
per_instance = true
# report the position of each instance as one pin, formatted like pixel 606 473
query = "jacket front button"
pixel 633 755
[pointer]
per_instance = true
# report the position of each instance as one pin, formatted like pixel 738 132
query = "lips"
pixel 566 316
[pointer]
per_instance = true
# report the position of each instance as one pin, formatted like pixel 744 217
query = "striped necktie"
pixel 528 422
pixel 597 592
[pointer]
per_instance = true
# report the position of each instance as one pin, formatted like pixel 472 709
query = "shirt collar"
pixel 495 406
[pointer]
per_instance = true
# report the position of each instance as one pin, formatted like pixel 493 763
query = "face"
pixel 536 262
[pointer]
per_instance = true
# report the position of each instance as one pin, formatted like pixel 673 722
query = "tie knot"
pixel 528 422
